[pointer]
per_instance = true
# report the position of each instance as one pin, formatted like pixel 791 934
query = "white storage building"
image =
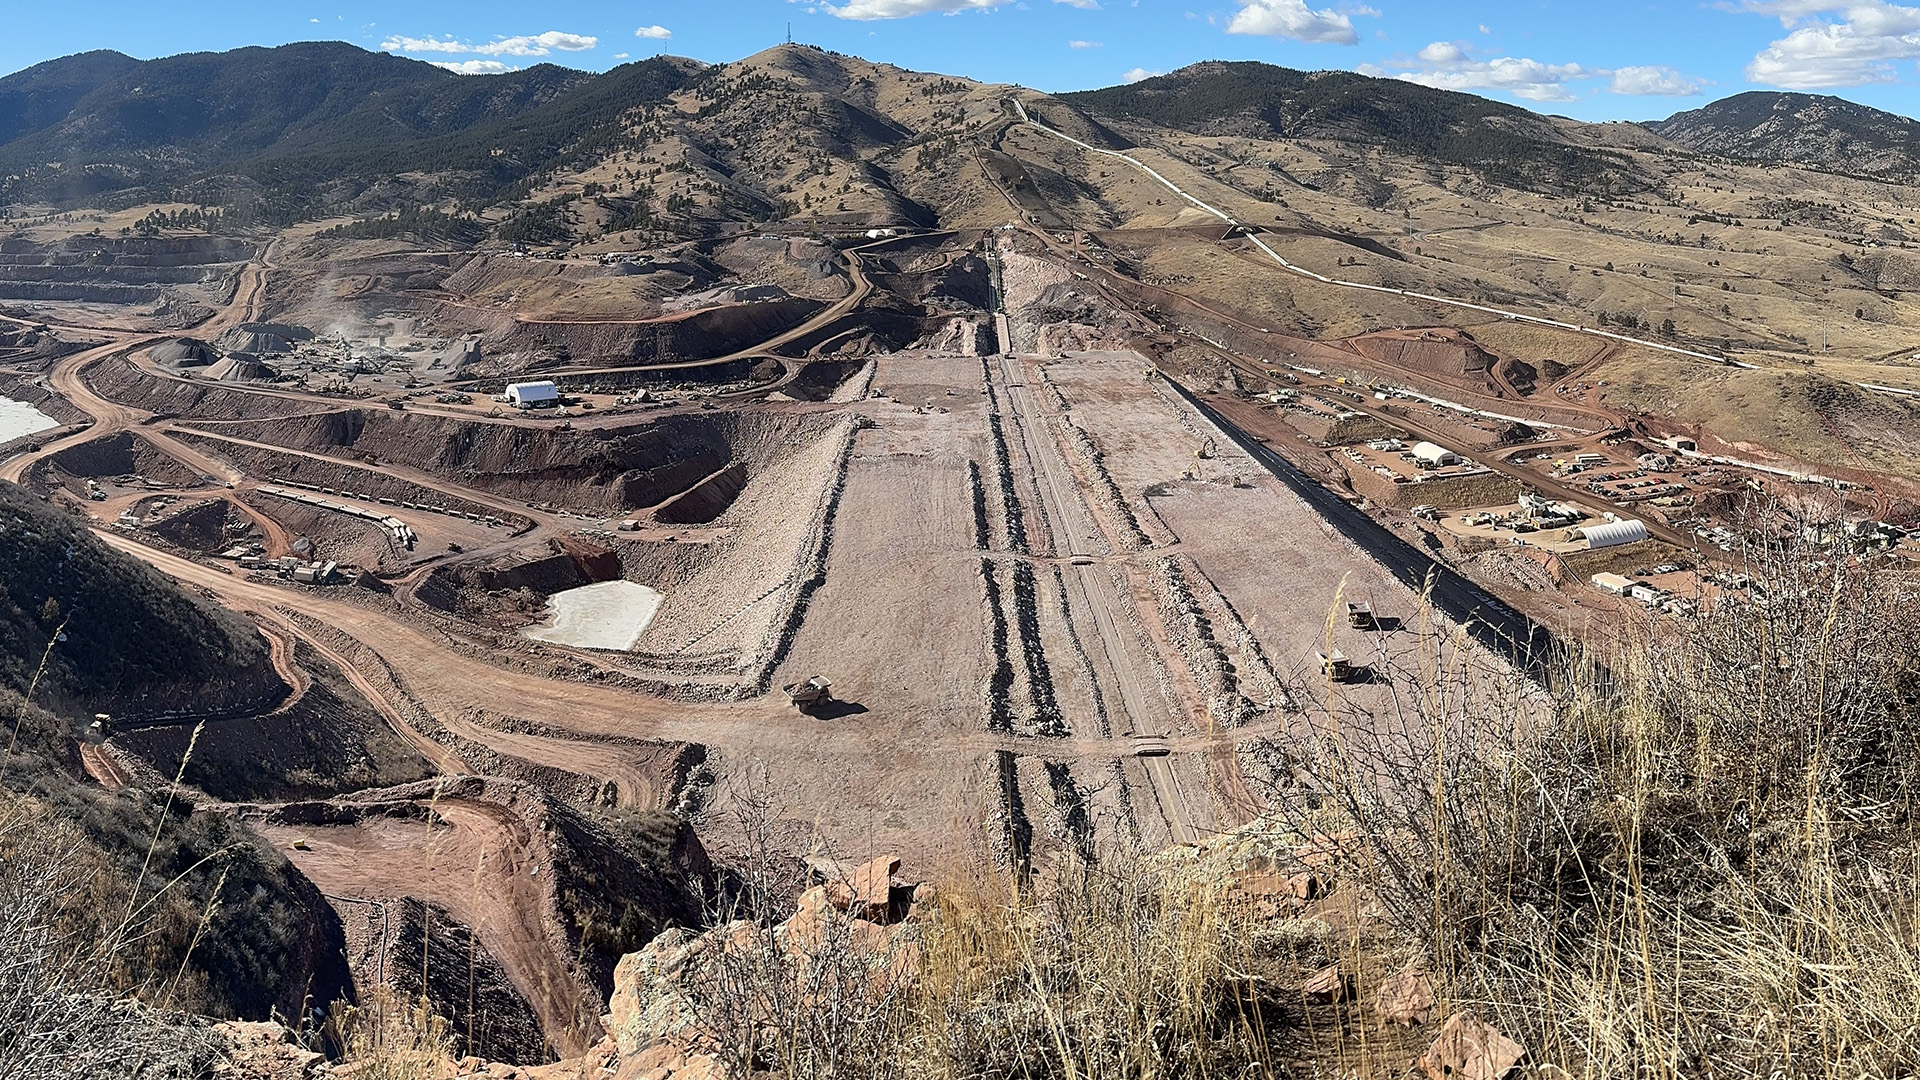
pixel 533 395
pixel 1433 455
pixel 1614 533
pixel 1615 584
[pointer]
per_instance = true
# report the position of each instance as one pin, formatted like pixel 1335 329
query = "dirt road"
pixel 476 861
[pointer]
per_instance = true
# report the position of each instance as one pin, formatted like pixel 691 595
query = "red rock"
pixel 809 929
pixel 701 1067
pixel 1306 887
pixel 868 891
pixel 656 1062
pixel 925 902
pixel 1328 986
pixel 1470 1049
pixel 1406 998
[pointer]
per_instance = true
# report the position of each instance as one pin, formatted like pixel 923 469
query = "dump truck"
pixel 1360 616
pixel 1145 745
pixel 809 694
pixel 1338 667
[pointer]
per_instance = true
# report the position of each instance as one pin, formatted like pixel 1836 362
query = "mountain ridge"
pixel 312 129
pixel 1248 98
pixel 1814 130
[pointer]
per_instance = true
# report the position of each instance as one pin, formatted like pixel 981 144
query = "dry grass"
pixel 1133 968
pixel 59 1017
pixel 1701 863
pixel 1126 971
pixel 386 1038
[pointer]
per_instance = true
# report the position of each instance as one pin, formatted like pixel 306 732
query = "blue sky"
pixel 1594 61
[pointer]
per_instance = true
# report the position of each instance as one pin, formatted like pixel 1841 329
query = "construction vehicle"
pixel 810 694
pixel 1360 617
pixel 1145 745
pixel 1207 450
pixel 1338 667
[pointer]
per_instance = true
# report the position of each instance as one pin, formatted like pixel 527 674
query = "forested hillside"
pixel 1505 143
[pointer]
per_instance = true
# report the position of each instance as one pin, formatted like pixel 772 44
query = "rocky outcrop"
pixel 1815 130
pixel 861 918
pixel 1469 1048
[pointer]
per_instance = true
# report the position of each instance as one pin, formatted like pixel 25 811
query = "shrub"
pixel 1693 855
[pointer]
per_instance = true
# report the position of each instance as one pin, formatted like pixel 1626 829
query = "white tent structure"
pixel 1433 455
pixel 533 395
pixel 1614 534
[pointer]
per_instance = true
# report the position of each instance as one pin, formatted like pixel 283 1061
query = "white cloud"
pixel 1652 80
pixel 1138 74
pixel 900 9
pixel 539 44
pixel 1083 44
pixel 1083 5
pixel 1834 42
pixel 534 45
pixel 1450 67
pixel 621 55
pixel 653 33
pixel 1294 19
pixel 473 67
pixel 420 45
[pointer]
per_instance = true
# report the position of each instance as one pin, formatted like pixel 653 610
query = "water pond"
pixel 605 615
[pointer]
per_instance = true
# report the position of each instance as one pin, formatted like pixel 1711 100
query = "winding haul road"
pixel 1408 423
pixel 1252 235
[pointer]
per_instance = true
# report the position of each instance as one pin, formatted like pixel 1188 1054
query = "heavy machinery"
pixel 1150 745
pixel 1338 667
pixel 810 694
pixel 1360 617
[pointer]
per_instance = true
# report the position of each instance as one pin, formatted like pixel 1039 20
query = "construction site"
pixel 1010 537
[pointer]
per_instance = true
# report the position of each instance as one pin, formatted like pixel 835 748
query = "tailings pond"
pixel 18 418
pixel 606 615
